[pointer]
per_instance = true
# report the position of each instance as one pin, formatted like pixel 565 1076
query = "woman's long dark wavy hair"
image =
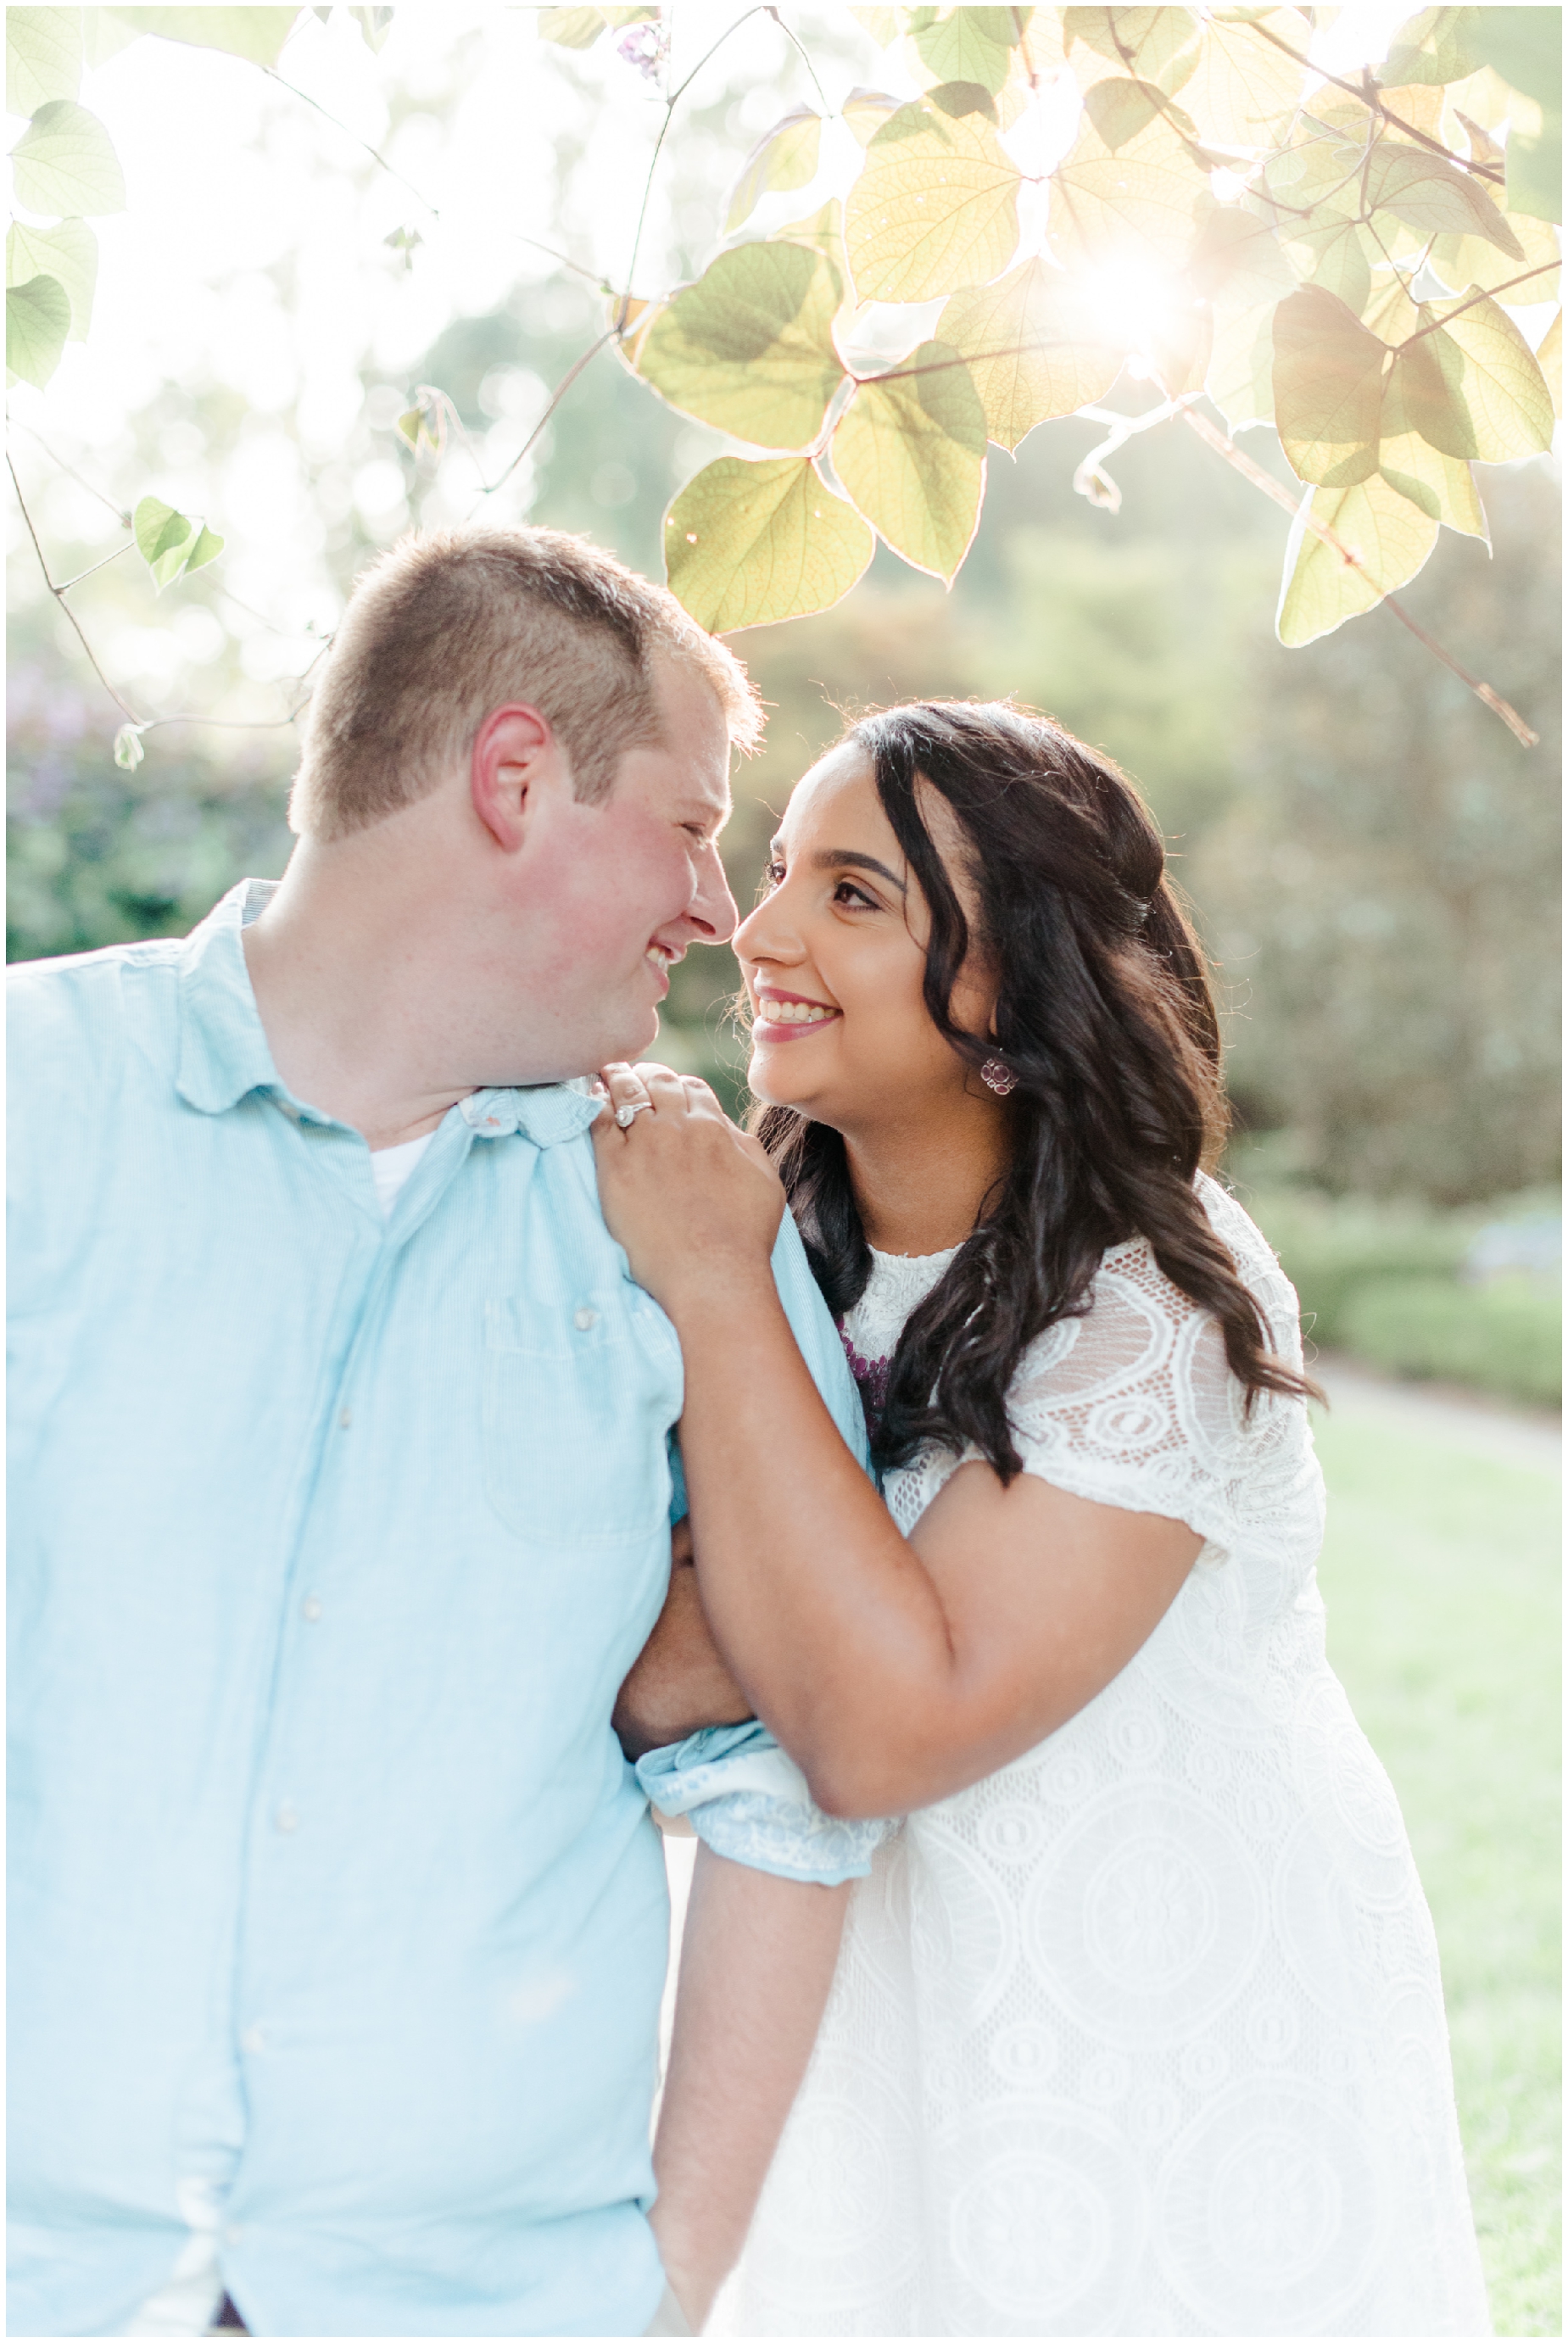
pixel 1105 1016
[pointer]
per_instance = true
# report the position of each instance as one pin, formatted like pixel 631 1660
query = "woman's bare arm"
pixel 755 1967
pixel 894 1671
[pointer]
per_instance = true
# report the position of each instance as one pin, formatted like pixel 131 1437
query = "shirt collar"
pixel 222 1051
pixel 223 1056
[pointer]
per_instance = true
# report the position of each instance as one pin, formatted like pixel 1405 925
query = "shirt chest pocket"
pixel 578 1405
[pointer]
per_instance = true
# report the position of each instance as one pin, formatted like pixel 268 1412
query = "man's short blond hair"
pixel 448 625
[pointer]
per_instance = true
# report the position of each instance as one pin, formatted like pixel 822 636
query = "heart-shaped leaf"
pixel 1327 389
pixel 749 347
pixel 64 164
pixel 1391 538
pixel 935 208
pixel 911 451
pixel 43 56
pixel 1034 348
pixel 37 320
pixel 748 544
pixel 787 156
pixel 257 34
pixel 69 251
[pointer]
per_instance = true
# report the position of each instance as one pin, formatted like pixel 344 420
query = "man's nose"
pixel 713 907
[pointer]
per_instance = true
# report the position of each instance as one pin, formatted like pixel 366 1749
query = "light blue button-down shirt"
pixel 333 1539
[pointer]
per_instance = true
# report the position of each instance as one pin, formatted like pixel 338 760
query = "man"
pixel 342 1504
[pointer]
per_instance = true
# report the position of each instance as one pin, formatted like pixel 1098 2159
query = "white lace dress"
pixel 1144 2034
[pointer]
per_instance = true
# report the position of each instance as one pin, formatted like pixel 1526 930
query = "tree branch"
pixel 1435 146
pixel 1282 495
pixel 59 594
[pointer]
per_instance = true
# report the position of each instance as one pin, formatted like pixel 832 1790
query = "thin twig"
pixel 671 102
pixel 1474 301
pixel 71 472
pixel 58 592
pixel 1435 146
pixel 1211 437
pixel 559 392
pixel 95 568
pixel 374 152
pixel 801 54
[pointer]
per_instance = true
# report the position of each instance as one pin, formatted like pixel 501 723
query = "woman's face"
pixel 834 959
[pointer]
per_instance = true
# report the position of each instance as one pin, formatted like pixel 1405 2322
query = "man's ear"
pixel 515 752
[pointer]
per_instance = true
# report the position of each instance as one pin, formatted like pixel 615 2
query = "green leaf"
pixel 410 424
pixel 572 28
pixel 69 252
pixel 1390 537
pixel 1138 207
pixel 746 544
pixel 128 750
pixel 171 544
pixel 1549 358
pixel 257 34
pixel 1033 347
pixel 1335 254
pixel 973 45
pixel 43 56
pixel 934 209
pixel 1244 88
pixel 911 451
pixel 1464 260
pixel 64 164
pixel 749 347
pixel 1155 45
pixel 1471 386
pixel 1443 486
pixel 37 320
pixel 1437 45
pixel 1434 196
pixel 373 24
pixel 1328 388
pixel 1237 262
pixel 1524 46
pixel 1119 110
pixel 785 158
pixel 866 110
pixel 881 24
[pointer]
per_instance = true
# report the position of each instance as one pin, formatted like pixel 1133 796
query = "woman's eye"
pixel 855 897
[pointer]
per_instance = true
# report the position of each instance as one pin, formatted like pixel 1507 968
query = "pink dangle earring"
pixel 997 1077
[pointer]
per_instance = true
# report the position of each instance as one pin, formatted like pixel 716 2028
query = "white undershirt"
pixel 390 1168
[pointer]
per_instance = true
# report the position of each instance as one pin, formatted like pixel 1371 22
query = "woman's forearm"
pixel 756 1967
pixel 826 1617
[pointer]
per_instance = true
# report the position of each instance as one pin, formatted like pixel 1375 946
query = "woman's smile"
pixel 788 1016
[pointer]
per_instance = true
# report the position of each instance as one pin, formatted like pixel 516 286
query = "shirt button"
pixel 254 2040
pixel 584 1320
pixel 286 1818
pixel 345 1417
pixel 311 1607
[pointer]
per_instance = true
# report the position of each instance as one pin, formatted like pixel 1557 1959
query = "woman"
pixel 1137 2027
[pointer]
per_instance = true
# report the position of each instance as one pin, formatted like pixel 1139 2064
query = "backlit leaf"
pixel 971 45
pixel 823 231
pixel 1138 206
pixel 1336 256
pixel 1434 196
pixel 911 451
pixel 257 34
pixel 866 110
pixel 43 56
pixel 785 158
pixel 749 347
pixel 746 544
pixel 572 28
pixel 69 251
pixel 881 24
pixel 1119 110
pixel 1328 388
pixel 935 208
pixel 1549 358
pixel 1437 45
pixel 373 24
pixel 37 320
pixel 1524 46
pixel 1179 344
pixel 1473 387
pixel 171 544
pixel 1244 88
pixel 1237 262
pixel 1390 537
pixel 1443 486
pixel 1034 348
pixel 1154 45
pixel 64 164
pixel 1463 261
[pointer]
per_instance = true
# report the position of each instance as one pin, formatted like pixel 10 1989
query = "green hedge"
pixel 1383 1282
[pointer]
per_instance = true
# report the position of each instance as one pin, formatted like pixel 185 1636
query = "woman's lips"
pixel 791 1028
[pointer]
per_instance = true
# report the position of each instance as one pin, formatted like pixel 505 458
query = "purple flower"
pixel 646 46
pixel 871 1376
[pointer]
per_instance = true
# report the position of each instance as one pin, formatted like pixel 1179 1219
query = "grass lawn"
pixel 1441 1573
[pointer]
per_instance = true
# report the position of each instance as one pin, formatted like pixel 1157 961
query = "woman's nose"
pixel 766 934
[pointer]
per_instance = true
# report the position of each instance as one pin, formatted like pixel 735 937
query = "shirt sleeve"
pixel 745 1797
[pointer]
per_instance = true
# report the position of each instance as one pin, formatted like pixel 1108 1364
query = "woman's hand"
pixel 695 1202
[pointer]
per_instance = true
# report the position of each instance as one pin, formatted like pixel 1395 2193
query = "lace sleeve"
pixel 1134 1404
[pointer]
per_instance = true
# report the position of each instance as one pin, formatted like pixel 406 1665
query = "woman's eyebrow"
pixel 841 858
